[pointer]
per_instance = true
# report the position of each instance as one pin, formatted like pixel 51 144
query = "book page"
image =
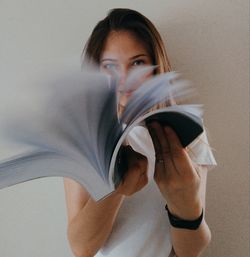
pixel 159 89
pixel 63 118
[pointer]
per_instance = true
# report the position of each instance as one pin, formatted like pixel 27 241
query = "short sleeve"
pixel 201 153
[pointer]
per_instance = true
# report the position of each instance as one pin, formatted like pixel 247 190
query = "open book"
pixel 72 128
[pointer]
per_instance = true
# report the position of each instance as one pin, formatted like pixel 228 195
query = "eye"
pixel 138 62
pixel 109 66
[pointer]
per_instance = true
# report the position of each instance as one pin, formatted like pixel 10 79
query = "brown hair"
pixel 129 20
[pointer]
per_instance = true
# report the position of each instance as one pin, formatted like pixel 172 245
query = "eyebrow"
pixel 131 58
pixel 138 55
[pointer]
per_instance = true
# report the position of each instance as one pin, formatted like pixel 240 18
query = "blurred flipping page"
pixel 70 123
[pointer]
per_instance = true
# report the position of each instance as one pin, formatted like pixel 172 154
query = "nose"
pixel 123 76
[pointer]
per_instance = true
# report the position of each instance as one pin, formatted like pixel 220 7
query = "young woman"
pixel 133 221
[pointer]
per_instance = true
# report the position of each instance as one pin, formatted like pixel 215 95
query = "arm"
pixel 193 242
pixel 90 222
pixel 183 186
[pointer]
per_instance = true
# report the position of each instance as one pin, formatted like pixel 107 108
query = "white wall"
pixel 206 40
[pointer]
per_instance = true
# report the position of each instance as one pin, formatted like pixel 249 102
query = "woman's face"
pixel 123 52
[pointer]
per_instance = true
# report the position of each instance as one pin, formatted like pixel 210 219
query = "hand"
pixel 176 176
pixel 136 176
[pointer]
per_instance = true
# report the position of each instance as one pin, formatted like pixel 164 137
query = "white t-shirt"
pixel 141 228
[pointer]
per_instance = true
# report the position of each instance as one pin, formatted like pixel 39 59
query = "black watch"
pixel 186 224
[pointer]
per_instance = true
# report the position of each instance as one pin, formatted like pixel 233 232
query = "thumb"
pixel 127 158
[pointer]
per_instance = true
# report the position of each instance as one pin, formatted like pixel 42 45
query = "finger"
pixel 174 143
pixel 161 142
pixel 155 140
pixel 162 139
pixel 181 159
pixel 163 160
pixel 135 179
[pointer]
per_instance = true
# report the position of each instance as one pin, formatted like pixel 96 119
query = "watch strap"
pixel 184 224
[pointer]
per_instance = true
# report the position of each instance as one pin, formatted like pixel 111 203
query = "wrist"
pixel 190 224
pixel 187 212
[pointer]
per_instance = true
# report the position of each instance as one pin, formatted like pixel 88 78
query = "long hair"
pixel 121 19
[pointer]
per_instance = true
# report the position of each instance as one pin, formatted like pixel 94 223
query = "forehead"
pixel 122 44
